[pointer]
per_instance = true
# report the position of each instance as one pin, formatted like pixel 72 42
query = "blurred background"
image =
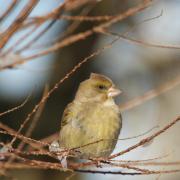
pixel 134 68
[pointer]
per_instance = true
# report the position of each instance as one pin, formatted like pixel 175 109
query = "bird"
pixel 92 121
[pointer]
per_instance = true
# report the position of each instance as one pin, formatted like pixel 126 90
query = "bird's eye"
pixel 102 87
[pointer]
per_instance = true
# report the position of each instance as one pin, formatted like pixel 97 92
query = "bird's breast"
pixel 103 121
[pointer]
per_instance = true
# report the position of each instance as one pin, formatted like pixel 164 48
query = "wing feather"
pixel 67 115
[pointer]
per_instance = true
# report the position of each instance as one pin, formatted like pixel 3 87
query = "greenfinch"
pixel 91 117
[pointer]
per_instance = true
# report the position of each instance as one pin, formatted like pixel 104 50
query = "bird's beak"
pixel 112 92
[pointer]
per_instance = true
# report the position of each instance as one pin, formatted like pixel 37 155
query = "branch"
pixel 146 140
pixel 17 23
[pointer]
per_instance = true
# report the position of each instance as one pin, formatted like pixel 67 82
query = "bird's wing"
pixel 67 115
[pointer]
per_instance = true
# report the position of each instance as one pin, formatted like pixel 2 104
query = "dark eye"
pixel 102 87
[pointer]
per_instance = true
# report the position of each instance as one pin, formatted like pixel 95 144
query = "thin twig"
pixel 35 119
pixel 146 140
pixel 141 42
pixel 15 108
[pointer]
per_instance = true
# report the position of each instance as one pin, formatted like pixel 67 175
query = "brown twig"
pixel 35 119
pixel 15 108
pixel 141 42
pixel 23 138
pixel 19 41
pixel 8 10
pixel 18 22
pixel 146 140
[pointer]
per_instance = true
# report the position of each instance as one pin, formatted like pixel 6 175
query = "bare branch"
pixel 18 22
pixel 15 108
pixel 148 139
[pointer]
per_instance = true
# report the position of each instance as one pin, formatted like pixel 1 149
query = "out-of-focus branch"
pixel 17 23
pixel 83 35
pixel 80 36
pixel 8 10
pixel 140 42
pixel 74 4
pixel 167 86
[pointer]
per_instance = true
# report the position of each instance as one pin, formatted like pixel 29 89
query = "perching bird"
pixel 92 116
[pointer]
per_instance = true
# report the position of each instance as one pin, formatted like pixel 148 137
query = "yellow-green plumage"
pixel 92 116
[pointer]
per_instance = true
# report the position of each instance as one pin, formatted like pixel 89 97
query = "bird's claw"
pixel 55 148
pixel 63 161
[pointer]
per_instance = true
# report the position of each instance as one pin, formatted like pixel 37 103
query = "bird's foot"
pixel 64 153
pixel 63 161
pixel 61 153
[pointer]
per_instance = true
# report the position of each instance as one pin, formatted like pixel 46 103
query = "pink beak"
pixel 112 92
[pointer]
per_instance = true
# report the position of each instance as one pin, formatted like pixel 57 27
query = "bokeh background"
pixel 134 68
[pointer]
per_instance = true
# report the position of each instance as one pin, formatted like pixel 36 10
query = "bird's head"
pixel 98 88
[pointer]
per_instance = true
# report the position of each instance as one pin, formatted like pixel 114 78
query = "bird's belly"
pixel 103 137
pixel 95 139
